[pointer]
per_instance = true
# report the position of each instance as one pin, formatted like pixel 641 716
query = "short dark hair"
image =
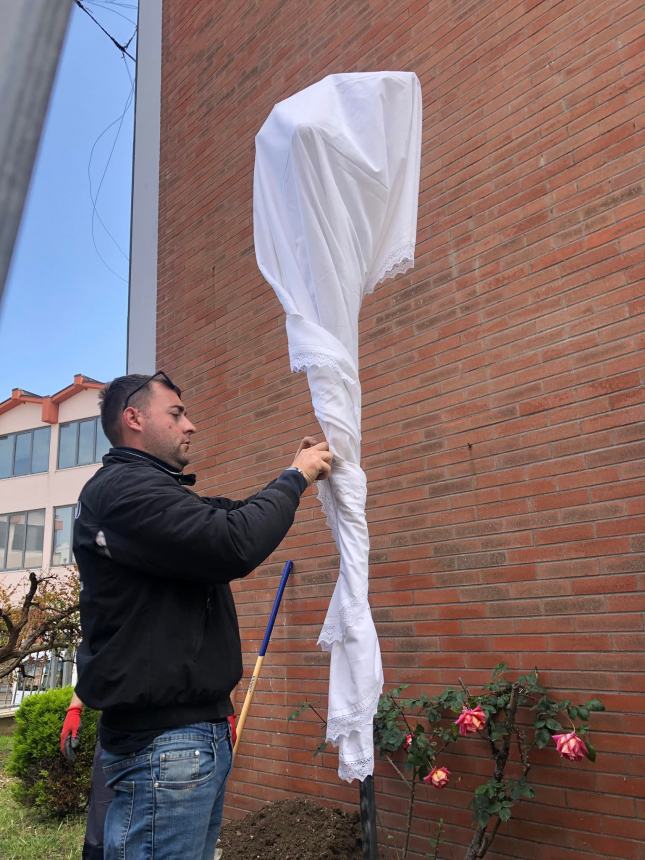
pixel 135 388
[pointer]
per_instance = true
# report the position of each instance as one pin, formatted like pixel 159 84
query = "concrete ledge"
pixel 7 721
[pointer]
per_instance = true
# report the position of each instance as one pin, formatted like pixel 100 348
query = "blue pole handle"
pixel 276 605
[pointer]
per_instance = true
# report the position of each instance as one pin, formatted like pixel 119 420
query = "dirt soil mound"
pixel 293 830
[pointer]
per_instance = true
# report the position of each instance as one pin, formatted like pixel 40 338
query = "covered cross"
pixel 335 197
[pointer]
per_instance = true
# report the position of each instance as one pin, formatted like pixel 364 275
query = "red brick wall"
pixel 503 417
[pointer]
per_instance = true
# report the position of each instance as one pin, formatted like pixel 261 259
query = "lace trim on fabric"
pixel 334 631
pixel 360 716
pixel 326 499
pixel 396 263
pixel 302 360
pixel 360 719
pixel 357 769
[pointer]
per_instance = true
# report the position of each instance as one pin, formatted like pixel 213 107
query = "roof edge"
pixel 51 402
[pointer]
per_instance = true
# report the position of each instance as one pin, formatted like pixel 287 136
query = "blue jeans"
pixel 168 796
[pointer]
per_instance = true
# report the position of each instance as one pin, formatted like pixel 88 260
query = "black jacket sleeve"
pixel 163 529
pixel 232 505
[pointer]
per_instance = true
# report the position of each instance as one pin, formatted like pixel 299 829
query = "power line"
pixel 94 198
pixel 101 4
pixel 117 3
pixel 122 48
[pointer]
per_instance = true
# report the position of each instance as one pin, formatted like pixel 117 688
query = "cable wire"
pixel 122 48
pixel 117 3
pixel 100 4
pixel 94 197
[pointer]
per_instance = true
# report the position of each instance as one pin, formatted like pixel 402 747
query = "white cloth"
pixel 335 197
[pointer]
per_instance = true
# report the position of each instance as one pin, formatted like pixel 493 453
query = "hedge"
pixel 46 781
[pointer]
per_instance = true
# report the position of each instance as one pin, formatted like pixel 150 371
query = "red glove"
pixel 69 740
pixel 231 722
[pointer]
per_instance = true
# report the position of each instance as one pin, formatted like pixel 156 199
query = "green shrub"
pixel 46 781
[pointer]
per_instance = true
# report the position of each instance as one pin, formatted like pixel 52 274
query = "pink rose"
pixel 570 746
pixel 471 720
pixel 438 777
pixel 407 743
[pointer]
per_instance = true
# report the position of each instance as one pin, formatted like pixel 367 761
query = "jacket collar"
pixel 132 455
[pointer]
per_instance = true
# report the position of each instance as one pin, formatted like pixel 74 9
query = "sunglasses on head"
pixel 161 377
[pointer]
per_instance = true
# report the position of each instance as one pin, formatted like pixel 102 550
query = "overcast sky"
pixel 64 311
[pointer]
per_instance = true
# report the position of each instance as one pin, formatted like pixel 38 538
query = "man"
pixel 161 647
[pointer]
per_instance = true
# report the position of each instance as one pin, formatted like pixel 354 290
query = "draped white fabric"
pixel 335 197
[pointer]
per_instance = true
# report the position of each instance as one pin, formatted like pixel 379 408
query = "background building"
pixel 49 448
pixel 502 380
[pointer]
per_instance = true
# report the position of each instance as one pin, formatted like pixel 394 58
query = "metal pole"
pixel 368 818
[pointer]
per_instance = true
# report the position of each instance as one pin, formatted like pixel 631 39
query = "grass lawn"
pixel 25 837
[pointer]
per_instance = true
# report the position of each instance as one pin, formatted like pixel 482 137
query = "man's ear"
pixel 131 419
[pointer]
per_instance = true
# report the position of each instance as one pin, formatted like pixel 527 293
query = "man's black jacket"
pixel 161 643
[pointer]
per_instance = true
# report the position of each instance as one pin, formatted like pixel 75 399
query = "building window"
pixel 24 453
pixel 63 530
pixel 81 443
pixel 21 540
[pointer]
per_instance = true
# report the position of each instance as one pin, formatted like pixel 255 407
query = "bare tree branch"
pixel 44 618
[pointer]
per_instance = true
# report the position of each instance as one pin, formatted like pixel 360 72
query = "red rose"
pixel 471 720
pixel 570 746
pixel 438 776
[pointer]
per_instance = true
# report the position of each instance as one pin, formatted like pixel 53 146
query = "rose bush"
pixel 493 716
pixel 420 729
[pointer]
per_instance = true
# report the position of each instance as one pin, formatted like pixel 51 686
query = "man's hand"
pixel 69 739
pixel 313 459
